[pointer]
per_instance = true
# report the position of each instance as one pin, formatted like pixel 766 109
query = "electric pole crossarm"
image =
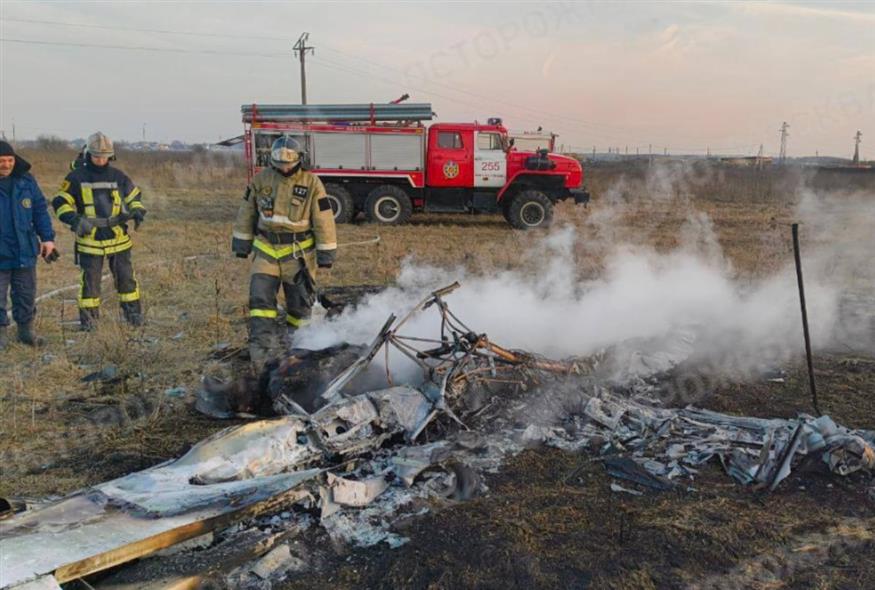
pixel 301 48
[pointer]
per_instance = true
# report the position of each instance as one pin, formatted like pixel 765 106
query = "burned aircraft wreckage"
pixel 333 448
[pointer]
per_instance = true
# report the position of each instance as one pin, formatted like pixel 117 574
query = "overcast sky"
pixel 682 76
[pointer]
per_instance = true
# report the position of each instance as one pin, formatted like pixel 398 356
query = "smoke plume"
pixel 553 308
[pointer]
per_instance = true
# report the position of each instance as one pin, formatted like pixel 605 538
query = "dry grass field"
pixel 59 433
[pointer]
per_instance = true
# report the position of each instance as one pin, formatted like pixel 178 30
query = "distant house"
pixel 747 161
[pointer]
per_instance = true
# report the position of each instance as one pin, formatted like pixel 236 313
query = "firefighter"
pixel 97 200
pixel 287 220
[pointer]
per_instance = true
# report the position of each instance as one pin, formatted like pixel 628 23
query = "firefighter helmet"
pixel 286 150
pixel 100 145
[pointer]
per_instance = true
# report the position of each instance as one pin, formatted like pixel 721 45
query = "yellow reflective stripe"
pixel 104 251
pixel 132 195
pixel 88 201
pixel 136 205
pixel 116 241
pixel 128 297
pixel 81 296
pixel 86 302
pixel 67 197
pixel 65 208
pixel 262 313
pixel 296 322
pixel 116 203
pixel 285 250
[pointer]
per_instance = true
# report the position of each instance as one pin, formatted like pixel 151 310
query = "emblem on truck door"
pixel 451 169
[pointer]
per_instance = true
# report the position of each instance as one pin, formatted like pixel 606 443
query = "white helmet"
pixel 100 145
pixel 286 150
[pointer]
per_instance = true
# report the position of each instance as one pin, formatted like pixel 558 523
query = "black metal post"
pixel 804 317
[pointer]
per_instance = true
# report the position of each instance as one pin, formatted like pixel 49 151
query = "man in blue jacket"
pixel 25 233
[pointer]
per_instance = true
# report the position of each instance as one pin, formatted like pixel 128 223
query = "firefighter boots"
pixel 26 335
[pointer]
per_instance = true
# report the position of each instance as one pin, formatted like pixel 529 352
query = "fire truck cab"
pixel 388 169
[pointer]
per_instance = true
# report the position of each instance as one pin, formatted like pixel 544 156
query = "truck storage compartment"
pixel 346 151
pixel 397 151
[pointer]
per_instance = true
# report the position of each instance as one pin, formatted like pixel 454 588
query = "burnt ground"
pixel 533 528
pixel 550 520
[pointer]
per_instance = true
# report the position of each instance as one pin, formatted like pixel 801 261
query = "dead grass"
pixel 58 433
pixel 195 293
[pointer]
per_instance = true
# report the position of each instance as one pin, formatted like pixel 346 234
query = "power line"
pixel 596 127
pixel 137 48
pixel 138 30
pixel 580 125
pixel 456 88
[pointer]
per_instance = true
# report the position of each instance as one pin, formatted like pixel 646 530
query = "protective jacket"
pixel 287 220
pixel 286 217
pixel 107 198
pixel 28 218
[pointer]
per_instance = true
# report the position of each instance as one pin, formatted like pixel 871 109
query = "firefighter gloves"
pixel 138 216
pixel 325 258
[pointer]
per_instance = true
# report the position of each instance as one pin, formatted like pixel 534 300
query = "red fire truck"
pixel 382 160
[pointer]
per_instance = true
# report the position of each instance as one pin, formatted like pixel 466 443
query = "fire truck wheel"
pixel 529 209
pixel 341 203
pixel 388 205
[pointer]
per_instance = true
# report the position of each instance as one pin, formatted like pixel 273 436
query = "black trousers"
pixel 300 292
pixel 22 282
pixel 125 284
pixel 300 295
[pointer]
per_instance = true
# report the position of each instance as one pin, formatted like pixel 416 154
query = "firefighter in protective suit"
pixel 286 219
pixel 96 201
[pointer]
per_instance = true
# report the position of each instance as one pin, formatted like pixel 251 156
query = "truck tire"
pixel 388 205
pixel 529 209
pixel 341 203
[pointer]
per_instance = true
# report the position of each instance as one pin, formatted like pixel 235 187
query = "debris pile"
pixel 660 445
pixel 357 459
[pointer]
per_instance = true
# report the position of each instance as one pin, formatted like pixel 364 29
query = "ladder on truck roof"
pixel 369 112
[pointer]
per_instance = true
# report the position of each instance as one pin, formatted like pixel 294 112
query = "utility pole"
pixel 784 135
pixel 301 50
pixel 857 139
pixel 144 133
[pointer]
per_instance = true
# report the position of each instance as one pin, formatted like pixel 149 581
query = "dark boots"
pixel 26 335
pixel 133 314
pixel 88 319
pixel 264 341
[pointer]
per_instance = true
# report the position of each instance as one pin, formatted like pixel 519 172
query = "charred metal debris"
pixel 346 446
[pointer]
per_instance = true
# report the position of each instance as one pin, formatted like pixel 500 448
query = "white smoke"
pixel 555 311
